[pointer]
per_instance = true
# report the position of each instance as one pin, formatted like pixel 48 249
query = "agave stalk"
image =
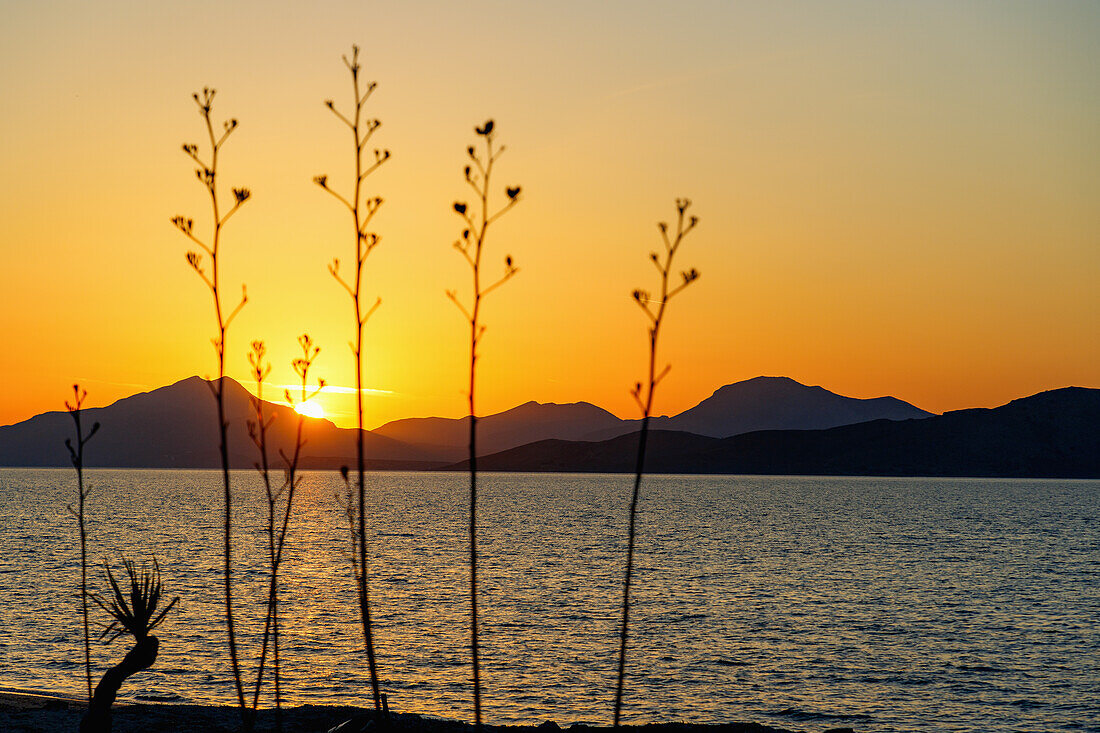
pixel 207 173
pixel 278 518
pixel 137 615
pixel 471 246
pixel 362 210
pixel 77 456
pixel 257 431
pixel 655 311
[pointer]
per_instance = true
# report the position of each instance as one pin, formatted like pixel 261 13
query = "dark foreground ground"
pixel 45 714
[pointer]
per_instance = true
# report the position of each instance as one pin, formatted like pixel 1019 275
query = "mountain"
pixel 171 427
pixel 763 403
pixel 176 427
pixel 771 403
pixel 526 423
pixel 665 452
pixel 1054 434
pixel 780 403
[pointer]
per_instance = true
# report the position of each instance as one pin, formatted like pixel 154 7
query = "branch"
pixel 342 200
pixel 332 106
pixel 370 312
pixel 454 299
pixel 508 275
pixel 244 299
pixel 503 211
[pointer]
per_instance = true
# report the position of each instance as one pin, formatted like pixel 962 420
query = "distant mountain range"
pixel 172 427
pixel 763 403
pixel 175 427
pixel 1053 434
pixel 761 425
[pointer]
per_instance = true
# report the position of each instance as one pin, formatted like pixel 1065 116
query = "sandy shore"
pixel 28 711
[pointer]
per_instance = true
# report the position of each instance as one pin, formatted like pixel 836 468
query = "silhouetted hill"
pixel 176 427
pixel 771 403
pixel 780 403
pixel 664 454
pixel 763 403
pixel 526 423
pixel 1053 434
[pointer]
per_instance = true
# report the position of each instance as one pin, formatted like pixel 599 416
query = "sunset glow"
pixel 894 199
pixel 310 408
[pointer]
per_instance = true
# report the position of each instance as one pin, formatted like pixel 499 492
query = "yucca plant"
pixel 643 393
pixel 362 209
pixel 471 246
pixel 207 173
pixel 135 613
pixel 76 454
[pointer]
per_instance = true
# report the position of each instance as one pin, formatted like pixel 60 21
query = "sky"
pixel 894 198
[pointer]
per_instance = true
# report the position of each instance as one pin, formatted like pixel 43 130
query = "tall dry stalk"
pixel 278 515
pixel 257 431
pixel 207 173
pixel 471 246
pixel 362 210
pixel 77 456
pixel 655 311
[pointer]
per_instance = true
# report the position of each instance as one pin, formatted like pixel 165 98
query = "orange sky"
pixel 894 198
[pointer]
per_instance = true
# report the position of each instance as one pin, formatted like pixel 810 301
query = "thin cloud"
pixel 87 380
pixel 336 389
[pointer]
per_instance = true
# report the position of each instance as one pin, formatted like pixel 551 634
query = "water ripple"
pixel 900 604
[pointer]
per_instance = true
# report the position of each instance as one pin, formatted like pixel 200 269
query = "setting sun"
pixel 310 408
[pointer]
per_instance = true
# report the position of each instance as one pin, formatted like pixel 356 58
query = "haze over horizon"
pixel 894 200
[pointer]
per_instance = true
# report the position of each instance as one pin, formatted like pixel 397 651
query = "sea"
pixel 880 604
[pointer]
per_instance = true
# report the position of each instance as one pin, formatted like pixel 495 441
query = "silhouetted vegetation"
pixel 471 246
pixel 257 430
pixel 137 616
pixel 280 501
pixel 655 312
pixel 362 211
pixel 207 174
pixel 77 456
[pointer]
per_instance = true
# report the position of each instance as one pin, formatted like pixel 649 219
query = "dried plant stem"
pixel 278 517
pixel 77 456
pixel 656 318
pixel 471 246
pixel 362 212
pixel 207 173
pixel 257 430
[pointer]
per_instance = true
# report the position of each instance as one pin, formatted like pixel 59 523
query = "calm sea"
pixel 880 604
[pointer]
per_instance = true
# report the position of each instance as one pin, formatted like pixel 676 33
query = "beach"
pixel 32 711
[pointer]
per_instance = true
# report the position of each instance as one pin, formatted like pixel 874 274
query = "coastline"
pixel 36 711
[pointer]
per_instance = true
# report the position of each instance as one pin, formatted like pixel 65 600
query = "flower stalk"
pixel 362 210
pixel 76 454
pixel 654 309
pixel 280 500
pixel 206 172
pixel 471 246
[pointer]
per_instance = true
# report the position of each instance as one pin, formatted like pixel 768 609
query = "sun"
pixel 310 408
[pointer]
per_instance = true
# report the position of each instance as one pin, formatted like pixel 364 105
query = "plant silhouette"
pixel 257 431
pixel 362 210
pixel 278 516
pixel 655 312
pixel 77 456
pixel 471 246
pixel 137 616
pixel 207 174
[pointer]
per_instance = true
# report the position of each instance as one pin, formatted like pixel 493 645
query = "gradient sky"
pixel 895 198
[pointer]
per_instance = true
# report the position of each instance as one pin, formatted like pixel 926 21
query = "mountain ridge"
pixel 1052 434
pixel 173 427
